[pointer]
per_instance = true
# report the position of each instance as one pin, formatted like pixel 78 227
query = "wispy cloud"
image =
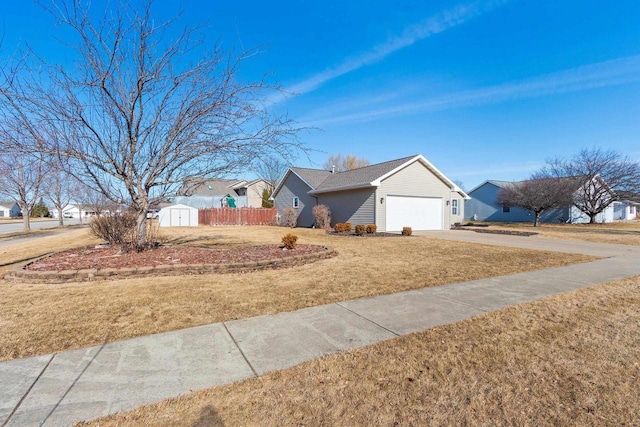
pixel 602 74
pixel 412 34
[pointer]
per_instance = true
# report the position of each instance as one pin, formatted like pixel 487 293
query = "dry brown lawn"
pixel 572 359
pixel 41 319
pixel 622 232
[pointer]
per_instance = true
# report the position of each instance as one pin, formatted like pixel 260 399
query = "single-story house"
pixel 628 207
pixel 483 206
pixel 626 210
pixel 217 193
pixel 407 192
pixel 9 209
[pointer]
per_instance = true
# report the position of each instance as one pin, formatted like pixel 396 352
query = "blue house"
pixel 483 206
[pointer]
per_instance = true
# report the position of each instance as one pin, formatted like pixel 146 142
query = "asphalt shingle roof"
pixel 209 187
pixel 360 176
pixel 313 177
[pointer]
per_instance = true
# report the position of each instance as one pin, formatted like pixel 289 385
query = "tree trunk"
pixel 141 230
pixel 60 219
pixel 536 219
pixel 592 218
pixel 26 225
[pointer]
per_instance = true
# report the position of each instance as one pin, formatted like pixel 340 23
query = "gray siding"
pixel 295 187
pixel 415 180
pixel 483 204
pixel 355 206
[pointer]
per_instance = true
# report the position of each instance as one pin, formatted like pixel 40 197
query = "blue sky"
pixel 483 89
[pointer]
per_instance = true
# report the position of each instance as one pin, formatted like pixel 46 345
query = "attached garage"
pixel 178 216
pixel 406 192
pixel 419 213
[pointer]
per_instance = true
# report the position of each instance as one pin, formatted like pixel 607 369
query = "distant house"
pixel 483 206
pixel 628 207
pixel 217 193
pixel 407 192
pixel 9 209
pixel 81 211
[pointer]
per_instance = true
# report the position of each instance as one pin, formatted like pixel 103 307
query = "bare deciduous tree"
pixel 138 114
pixel 59 188
pixel 271 169
pixel 603 174
pixel 22 177
pixel 538 194
pixel 344 163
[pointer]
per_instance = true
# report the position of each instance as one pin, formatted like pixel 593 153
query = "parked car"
pixel 67 214
pixel 153 213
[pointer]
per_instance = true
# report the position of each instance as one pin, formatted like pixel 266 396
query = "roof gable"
pixel 323 181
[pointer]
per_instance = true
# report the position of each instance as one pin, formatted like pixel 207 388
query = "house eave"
pixel 346 188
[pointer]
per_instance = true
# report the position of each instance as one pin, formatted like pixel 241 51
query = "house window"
pixel 296 202
pixel 2 213
pixel 454 207
pixel 506 209
pixel 632 210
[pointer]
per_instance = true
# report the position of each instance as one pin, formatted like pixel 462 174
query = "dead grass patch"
pixel 565 360
pixel 41 319
pixel 21 251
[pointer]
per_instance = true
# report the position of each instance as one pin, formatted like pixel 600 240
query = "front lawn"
pixel 41 319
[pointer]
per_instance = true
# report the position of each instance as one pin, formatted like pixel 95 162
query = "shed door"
pixel 419 213
pixel 180 218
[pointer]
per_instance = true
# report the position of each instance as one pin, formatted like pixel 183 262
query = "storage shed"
pixel 178 216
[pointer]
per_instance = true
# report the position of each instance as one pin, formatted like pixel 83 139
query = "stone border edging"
pixel 21 275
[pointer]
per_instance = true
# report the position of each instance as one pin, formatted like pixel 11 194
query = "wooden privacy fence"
pixel 237 216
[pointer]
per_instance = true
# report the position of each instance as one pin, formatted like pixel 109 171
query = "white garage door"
pixel 419 213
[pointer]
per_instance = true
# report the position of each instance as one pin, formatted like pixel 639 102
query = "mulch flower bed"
pixel 99 257
pixel 507 232
pixel 376 234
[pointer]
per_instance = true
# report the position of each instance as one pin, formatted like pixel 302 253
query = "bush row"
pixel 345 227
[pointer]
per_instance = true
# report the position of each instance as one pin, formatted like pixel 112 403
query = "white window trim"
pixel 454 207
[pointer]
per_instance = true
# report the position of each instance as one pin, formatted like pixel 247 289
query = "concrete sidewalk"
pixel 70 386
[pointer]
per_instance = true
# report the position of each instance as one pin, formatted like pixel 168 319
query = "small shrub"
pixel 347 227
pixel 360 229
pixel 322 215
pixel 115 229
pixel 371 228
pixel 289 218
pixel 470 224
pixel 407 231
pixel 289 240
pixel 339 227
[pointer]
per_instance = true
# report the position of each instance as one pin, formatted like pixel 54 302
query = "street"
pixel 36 224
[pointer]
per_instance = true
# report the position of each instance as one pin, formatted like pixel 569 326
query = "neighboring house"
pixel 628 207
pixel 9 209
pixel 483 206
pixel 407 192
pixel 217 193
pixel 625 210
pixel 74 211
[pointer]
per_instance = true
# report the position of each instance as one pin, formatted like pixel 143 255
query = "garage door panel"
pixel 419 213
